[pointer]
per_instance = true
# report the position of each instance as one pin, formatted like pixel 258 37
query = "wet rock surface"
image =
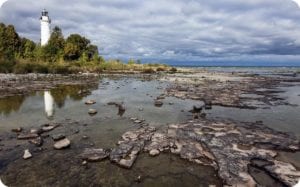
pixel 232 92
pixel 226 146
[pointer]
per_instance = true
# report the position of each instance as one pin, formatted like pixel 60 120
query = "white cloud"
pixel 2 2
pixel 297 1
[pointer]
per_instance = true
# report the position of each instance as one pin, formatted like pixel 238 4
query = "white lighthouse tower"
pixel 45 27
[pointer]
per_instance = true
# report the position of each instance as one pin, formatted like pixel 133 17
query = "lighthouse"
pixel 45 27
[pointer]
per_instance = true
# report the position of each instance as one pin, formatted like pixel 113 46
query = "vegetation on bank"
pixel 71 55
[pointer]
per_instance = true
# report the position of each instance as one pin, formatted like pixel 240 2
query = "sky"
pixel 171 30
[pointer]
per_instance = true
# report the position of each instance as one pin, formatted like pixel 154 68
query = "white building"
pixel 45 27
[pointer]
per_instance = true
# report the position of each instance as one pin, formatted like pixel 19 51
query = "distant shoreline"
pixel 225 66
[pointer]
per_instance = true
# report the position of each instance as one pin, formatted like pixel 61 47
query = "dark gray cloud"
pixel 171 29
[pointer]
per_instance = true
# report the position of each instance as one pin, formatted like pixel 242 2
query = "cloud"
pixel 170 29
pixel 2 2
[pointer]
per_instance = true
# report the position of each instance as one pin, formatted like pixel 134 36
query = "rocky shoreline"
pixel 229 92
pixel 229 147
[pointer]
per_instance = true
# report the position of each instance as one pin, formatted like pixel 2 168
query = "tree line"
pixel 16 50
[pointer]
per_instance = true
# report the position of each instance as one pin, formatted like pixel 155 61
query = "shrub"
pixel 173 70
pixel 148 70
pixel 160 69
pixel 6 66
pixel 27 67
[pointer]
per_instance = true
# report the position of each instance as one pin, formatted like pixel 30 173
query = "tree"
pixel 9 47
pixel 9 41
pixel 80 41
pixel 92 51
pixel 131 62
pixel 27 49
pixel 71 51
pixel 55 46
pixel 57 39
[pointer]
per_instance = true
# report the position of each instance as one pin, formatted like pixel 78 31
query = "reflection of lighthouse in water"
pixel 49 104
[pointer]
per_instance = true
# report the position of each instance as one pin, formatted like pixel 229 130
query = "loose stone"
pixel 158 103
pixel 61 144
pixel 17 130
pixel 27 154
pixel 37 142
pixel 27 136
pixel 92 111
pixel 58 137
pixel 154 152
pixel 90 102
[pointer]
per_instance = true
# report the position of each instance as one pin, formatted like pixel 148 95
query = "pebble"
pixel 27 154
pixel 84 163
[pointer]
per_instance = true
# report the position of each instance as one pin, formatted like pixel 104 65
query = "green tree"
pixel 71 51
pixel 92 51
pixel 131 62
pixel 55 46
pixel 9 47
pixel 28 49
pixel 80 42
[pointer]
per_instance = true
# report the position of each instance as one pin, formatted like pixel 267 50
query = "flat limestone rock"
pixel 27 154
pixel 37 142
pixel 94 155
pixel 127 162
pixel 27 136
pixel 61 144
pixel 58 137
pixel 90 102
pixel 284 172
pixel 49 127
